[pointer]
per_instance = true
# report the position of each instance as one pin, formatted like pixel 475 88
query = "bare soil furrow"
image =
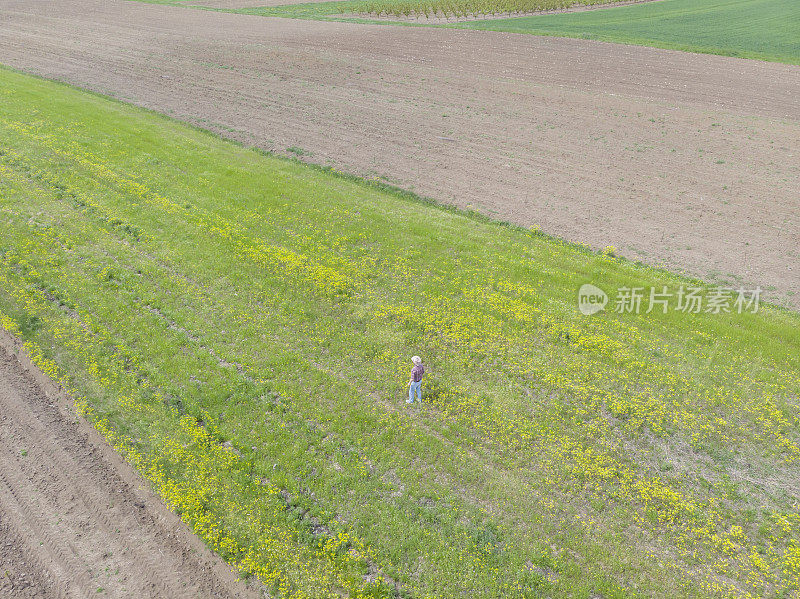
pixel 74 518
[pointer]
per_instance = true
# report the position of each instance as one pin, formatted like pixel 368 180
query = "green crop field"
pixel 239 327
pixel 762 29
pixel 460 8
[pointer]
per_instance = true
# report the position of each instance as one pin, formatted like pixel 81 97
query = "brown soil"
pixel 75 520
pixel 682 160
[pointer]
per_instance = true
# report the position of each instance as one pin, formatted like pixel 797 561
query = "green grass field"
pixel 239 327
pixel 762 29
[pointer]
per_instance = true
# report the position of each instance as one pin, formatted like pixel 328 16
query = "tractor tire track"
pixel 74 519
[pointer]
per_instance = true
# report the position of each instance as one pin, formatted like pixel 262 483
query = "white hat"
pixel 416 360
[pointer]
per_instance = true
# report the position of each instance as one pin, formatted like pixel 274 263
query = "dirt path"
pixel 687 161
pixel 75 521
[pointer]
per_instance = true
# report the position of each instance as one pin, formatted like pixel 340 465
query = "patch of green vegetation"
pixel 248 351
pixel 761 29
pixel 462 8
pixel 313 10
pixel 299 152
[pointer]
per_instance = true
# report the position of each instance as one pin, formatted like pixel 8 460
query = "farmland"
pixel 444 8
pixel 78 521
pixel 264 403
pixel 236 325
pixel 601 144
pixel 762 29
pixel 758 29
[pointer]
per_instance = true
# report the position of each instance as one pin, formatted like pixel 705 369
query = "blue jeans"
pixel 415 388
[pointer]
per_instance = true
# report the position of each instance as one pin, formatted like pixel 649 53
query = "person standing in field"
pixel 415 384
